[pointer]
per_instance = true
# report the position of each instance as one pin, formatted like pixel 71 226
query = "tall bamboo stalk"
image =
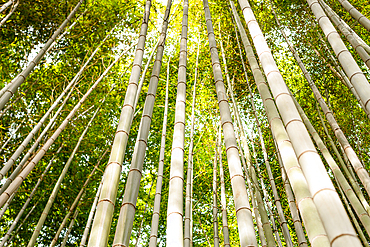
pixel 345 58
pixel 19 215
pixel 104 212
pixel 334 217
pixel 9 14
pixel 314 226
pixel 70 228
pixel 6 5
pixel 91 215
pixel 20 78
pixel 11 135
pixel 158 189
pixel 174 230
pixel 349 36
pixel 301 236
pixel 128 207
pixel 365 22
pixel 216 239
pixel 77 201
pixel 243 212
pixel 225 226
pixel 283 221
pixel 24 173
pixel 54 193
pixel 37 127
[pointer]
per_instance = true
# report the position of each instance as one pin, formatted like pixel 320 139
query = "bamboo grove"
pixel 184 123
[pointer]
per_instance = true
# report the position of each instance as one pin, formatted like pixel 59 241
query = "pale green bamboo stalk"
pixel 128 207
pixel 9 14
pixel 243 212
pixel 252 191
pixel 358 38
pixel 6 5
pixel 24 220
pixel 6 206
pixel 339 228
pixel 225 226
pixel 69 228
pixel 365 22
pixel 158 189
pixel 189 175
pixel 77 201
pixel 91 215
pixel 292 203
pixel 54 193
pixel 29 153
pixel 11 136
pixel 351 39
pixel 216 238
pixel 18 181
pixel 19 215
pixel 37 127
pixel 20 78
pixel 315 229
pixel 345 58
pixel 342 181
pixel 174 228
pixel 104 211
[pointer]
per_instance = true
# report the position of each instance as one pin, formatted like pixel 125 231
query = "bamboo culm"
pixel 6 5
pixel 314 227
pixel 19 79
pixel 9 14
pixel 158 188
pixel 331 210
pixel 175 228
pixel 128 207
pixel 11 135
pixel 105 207
pixel 70 228
pixel 20 178
pixel 243 212
pixel 356 14
pixel 216 239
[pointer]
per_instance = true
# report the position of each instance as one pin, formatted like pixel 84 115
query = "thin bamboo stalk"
pixel 9 14
pixel 104 211
pixel 174 230
pixel 54 193
pixel 292 204
pixel 6 5
pixel 20 78
pixel 358 38
pixel 345 58
pixel 334 217
pixel 11 136
pixel 128 207
pixel 356 14
pixel 20 178
pixel 37 127
pixel 351 39
pixel 225 227
pixel 243 212
pixel 315 229
pixel 29 153
pixel 70 228
pixel 216 238
pixel 77 201
pixel 342 181
pixel 158 189
pixel 91 215
pixel 283 222
pixel 19 215
pixel 189 175
pixel 6 206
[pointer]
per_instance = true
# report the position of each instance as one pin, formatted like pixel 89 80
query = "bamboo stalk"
pixel 243 212
pixel 216 239
pixel 128 207
pixel 314 226
pixel 11 136
pixel 20 178
pixel 356 14
pixel 104 211
pixel 20 78
pixel 174 230
pixel 158 189
pixel 6 5
pixel 9 14
pixel 69 228
pixel 334 217
pixel 54 193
